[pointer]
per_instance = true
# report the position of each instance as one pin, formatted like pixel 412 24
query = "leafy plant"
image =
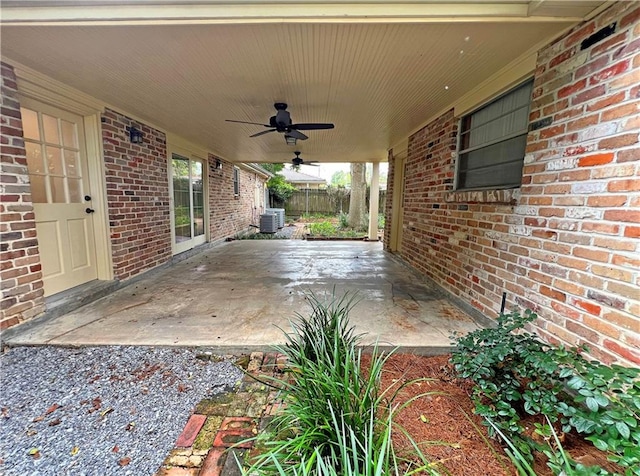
pixel 328 229
pixel 343 220
pixel 510 371
pixel 558 459
pixel 516 373
pixel 317 216
pixel 323 228
pixel 607 410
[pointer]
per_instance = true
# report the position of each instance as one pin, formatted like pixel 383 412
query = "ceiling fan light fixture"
pixel 290 140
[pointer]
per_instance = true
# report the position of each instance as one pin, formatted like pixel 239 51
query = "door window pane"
pixel 51 134
pixel 75 190
pixel 182 205
pixel 57 190
pixel 35 164
pixel 198 221
pixel 38 188
pixel 197 196
pixel 69 134
pixel 30 124
pixel 71 162
pixel 54 160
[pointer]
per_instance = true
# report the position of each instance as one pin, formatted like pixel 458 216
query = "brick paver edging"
pixel 215 434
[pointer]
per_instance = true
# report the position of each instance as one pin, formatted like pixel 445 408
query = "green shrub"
pixel 261 236
pixel 280 189
pixel 558 460
pixel 515 372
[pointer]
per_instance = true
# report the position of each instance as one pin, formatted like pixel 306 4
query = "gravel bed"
pixel 99 410
pixel 287 231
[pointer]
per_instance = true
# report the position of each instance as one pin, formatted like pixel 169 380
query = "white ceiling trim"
pixel 43 88
pixel 260 12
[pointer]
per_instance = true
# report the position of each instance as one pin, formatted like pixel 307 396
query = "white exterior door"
pixel 397 210
pixel 188 182
pixel 58 171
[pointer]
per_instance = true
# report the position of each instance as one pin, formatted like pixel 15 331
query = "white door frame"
pixel 42 89
pixel 182 148
pixel 397 205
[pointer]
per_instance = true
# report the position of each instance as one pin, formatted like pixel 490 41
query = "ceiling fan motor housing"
pixel 281 121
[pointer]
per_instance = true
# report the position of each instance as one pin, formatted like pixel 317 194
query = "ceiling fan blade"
pixel 313 164
pixel 311 126
pixel 245 122
pixel 263 132
pixel 296 134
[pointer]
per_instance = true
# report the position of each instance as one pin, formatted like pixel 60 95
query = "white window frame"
pixel 523 132
pixel 236 182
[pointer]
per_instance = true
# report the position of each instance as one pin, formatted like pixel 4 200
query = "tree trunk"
pixel 357 205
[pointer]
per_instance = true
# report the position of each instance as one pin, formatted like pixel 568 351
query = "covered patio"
pixel 136 131
pixel 235 296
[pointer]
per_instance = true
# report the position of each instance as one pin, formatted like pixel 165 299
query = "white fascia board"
pixel 254 168
pixel 100 13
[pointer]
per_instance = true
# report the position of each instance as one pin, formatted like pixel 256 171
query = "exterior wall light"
pixel 218 164
pixel 135 135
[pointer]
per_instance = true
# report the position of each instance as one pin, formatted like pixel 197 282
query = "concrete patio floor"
pixel 236 295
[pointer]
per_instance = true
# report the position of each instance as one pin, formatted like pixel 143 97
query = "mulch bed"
pixel 448 432
pixel 309 237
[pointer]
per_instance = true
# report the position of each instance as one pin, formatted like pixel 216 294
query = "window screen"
pixel 493 140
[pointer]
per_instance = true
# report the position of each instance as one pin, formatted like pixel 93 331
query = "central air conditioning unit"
pixel 268 223
pixel 279 212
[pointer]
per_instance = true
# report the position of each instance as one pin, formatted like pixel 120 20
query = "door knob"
pixel 89 210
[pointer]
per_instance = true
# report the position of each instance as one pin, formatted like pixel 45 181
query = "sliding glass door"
pixel 189 217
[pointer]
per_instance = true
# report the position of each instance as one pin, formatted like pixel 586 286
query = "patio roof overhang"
pixel 378 70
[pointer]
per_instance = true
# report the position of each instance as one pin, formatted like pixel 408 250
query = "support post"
pixel 374 202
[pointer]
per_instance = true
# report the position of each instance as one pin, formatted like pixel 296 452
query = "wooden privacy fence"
pixel 321 201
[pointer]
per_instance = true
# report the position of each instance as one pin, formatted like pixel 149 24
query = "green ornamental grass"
pixel 337 420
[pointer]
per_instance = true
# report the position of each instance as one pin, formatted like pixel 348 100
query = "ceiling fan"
pixel 282 123
pixel 297 160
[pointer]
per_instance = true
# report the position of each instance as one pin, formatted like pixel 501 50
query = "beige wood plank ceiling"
pixel 378 78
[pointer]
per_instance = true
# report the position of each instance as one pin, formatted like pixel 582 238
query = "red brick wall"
pixel 231 214
pixel 20 269
pixel 137 196
pixel 567 243
pixel 581 186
